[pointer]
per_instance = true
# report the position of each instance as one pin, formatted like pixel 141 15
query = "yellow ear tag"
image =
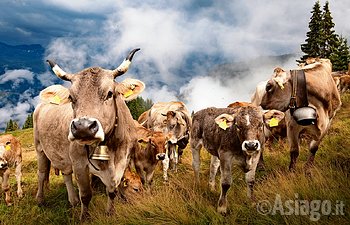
pixel 8 147
pixel 143 144
pixel 273 122
pixel 128 93
pixel 125 183
pixel 56 100
pixel 279 82
pixel 223 125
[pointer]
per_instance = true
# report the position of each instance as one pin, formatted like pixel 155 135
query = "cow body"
pixel 68 134
pixel 174 120
pixel 230 135
pixel 10 156
pixel 151 150
pixel 322 96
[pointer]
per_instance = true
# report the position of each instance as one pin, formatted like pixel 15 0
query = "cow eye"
pixel 109 95
pixel 268 87
pixel 71 99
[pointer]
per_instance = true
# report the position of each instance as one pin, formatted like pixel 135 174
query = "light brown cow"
pixel 10 156
pixel 68 134
pixel 230 135
pixel 131 186
pixel 174 120
pixel 151 150
pixel 323 96
pixel 344 83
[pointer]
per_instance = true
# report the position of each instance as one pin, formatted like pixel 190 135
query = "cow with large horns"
pixel 66 135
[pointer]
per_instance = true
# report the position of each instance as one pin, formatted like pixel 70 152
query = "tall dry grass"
pixel 181 202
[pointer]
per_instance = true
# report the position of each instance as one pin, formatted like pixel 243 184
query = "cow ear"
pixel 54 94
pixel 224 120
pixel 143 142
pixel 273 117
pixel 130 88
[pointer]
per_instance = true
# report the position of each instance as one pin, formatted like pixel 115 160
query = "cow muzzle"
pixel 3 164
pixel 160 156
pixel 86 131
pixel 251 146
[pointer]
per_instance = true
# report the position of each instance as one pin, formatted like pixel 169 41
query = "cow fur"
pixel 10 156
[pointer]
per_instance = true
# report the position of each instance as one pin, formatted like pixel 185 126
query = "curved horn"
pixel 58 71
pixel 124 66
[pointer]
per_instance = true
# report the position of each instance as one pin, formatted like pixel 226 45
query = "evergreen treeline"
pixel 322 41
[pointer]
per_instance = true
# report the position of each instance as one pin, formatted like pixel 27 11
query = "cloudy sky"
pixel 84 33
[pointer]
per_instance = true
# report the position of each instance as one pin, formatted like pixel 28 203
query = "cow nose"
pixel 3 165
pixel 251 145
pixel 84 128
pixel 160 156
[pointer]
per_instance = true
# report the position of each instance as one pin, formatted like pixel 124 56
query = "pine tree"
pixel 330 39
pixel 138 106
pixel 29 122
pixel 15 126
pixel 340 57
pixel 312 47
pixel 9 126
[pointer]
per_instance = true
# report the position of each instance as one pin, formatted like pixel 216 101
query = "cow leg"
pixel 18 174
pixel 196 160
pixel 85 191
pixel 149 175
pixel 6 187
pixel 43 174
pixel 214 166
pixel 175 158
pixel 165 163
pixel 293 138
pixel 226 181
pixel 72 195
pixel 139 171
pixel 250 175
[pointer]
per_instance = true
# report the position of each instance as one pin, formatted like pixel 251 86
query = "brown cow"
pixel 131 185
pixel 151 150
pixel 344 83
pixel 68 134
pixel 10 156
pixel 323 96
pixel 231 135
pixel 174 120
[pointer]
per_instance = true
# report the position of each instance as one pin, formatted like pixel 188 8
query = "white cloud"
pixel 17 76
pixel 169 33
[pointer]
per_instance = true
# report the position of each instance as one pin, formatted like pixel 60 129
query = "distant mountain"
pixel 22 57
pixel 28 57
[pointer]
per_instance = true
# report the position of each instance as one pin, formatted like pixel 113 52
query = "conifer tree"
pixel 29 122
pixel 9 126
pixel 330 39
pixel 138 106
pixel 313 45
pixel 340 57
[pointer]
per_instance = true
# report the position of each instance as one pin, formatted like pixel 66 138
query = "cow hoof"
pixel 9 204
pixel 261 167
pixel 222 210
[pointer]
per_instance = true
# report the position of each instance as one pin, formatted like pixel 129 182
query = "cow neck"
pixel 299 92
pixel 87 147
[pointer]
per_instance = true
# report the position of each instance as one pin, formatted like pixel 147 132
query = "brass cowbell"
pixel 101 153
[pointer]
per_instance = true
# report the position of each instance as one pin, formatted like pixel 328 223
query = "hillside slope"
pixel 324 198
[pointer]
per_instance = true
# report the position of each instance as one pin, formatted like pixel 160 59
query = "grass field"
pixel 285 198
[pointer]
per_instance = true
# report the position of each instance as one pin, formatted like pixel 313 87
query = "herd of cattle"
pixel 72 125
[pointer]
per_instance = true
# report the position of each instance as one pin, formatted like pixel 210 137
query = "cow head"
pixel 4 147
pixel 131 185
pixel 176 127
pixel 278 91
pixel 155 143
pixel 248 123
pixel 93 95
